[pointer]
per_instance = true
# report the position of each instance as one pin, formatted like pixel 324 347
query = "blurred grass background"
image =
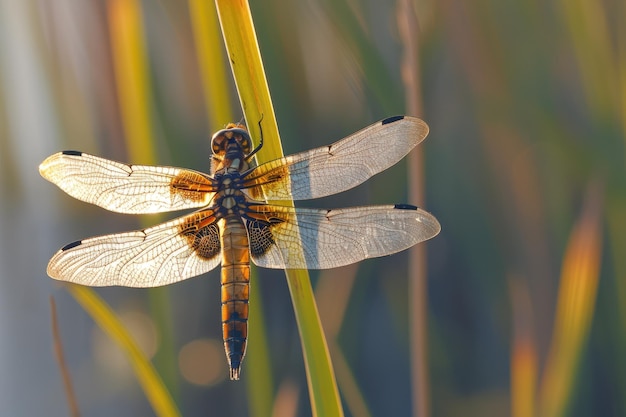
pixel 524 168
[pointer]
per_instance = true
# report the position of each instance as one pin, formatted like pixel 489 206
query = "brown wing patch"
pixel 192 186
pixel 202 234
pixel 125 188
pixel 274 178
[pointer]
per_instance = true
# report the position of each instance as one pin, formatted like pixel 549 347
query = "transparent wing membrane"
pixel 337 167
pixel 285 237
pixel 127 188
pixel 160 255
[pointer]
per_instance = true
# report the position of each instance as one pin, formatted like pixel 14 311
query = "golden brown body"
pixel 235 290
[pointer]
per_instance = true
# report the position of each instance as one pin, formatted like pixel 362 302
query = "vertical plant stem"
pixel 245 59
pixel 332 293
pixel 208 43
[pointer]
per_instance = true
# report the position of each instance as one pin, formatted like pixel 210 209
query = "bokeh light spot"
pixel 202 362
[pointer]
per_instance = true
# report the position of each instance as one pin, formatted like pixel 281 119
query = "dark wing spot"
pixel 207 242
pixel 73 153
pixel 204 241
pixel 260 235
pixel 404 207
pixel 392 119
pixel 71 245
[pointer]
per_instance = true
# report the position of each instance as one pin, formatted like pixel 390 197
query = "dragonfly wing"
pixel 337 167
pixel 160 255
pixel 127 188
pixel 286 237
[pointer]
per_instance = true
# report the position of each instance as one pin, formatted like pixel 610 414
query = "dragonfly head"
pixel 234 138
pixel 231 147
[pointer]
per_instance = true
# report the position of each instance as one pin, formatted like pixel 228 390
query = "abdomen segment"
pixel 235 292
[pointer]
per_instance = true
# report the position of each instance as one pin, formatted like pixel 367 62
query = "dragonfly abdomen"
pixel 235 294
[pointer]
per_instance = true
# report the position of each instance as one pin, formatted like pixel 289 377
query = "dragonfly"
pixel 234 223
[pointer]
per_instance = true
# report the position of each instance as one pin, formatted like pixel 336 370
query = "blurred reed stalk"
pixel 332 293
pixel 600 59
pixel 211 61
pixel 149 380
pixel 131 76
pixel 135 98
pixel 593 47
pixel 58 352
pixel 524 351
pixel 580 275
pixel 418 302
pixel 246 63
pixel 600 56
pixel 286 404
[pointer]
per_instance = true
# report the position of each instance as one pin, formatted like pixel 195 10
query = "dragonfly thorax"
pixel 231 162
pixel 230 201
pixel 228 179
